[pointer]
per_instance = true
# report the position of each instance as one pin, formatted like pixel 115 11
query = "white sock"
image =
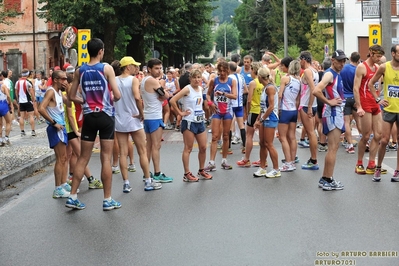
pixel 127 182
pixel 224 160
pixel 148 180
pixel 108 199
pixel 73 196
pixel 212 162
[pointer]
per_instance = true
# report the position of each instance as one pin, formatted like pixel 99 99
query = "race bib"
pixel 393 91
pixel 199 116
pixel 221 99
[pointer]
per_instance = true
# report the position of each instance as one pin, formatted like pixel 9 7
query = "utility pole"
pixel 285 28
pixel 225 48
pixel 386 27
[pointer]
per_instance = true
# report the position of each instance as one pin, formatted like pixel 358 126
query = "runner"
pixel 333 117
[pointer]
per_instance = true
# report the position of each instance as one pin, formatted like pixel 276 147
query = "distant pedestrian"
pixel 25 94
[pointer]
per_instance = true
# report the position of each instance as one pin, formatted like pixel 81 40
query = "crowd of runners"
pixel 232 100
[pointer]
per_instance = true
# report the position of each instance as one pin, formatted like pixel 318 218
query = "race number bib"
pixel 221 99
pixel 393 91
pixel 199 116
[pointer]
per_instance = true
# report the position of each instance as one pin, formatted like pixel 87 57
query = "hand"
pixel 212 108
pixel 219 92
pixel 139 116
pixel 78 134
pixel 185 113
pixel 360 112
pixel 59 127
pixel 310 112
pixel 257 124
pixel 384 103
pixel 335 101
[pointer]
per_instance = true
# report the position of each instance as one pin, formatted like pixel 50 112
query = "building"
pixel 353 19
pixel 29 42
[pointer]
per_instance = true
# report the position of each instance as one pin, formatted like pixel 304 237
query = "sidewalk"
pixel 25 155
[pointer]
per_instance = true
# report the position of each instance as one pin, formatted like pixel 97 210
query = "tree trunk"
pixel 109 41
pixel 136 47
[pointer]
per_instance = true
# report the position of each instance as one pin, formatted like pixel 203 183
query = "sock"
pixel 314 161
pixel 73 196
pixel 90 179
pixel 328 179
pixel 108 199
pixel 62 185
pixel 148 180
pixel 243 136
pixel 126 182
pixel 212 162
pixel 200 170
pixel 302 139
pixel 378 167
pixel 371 164
pixel 56 187
pixel 224 160
pixel 157 173
pixel 230 136
pixel 359 162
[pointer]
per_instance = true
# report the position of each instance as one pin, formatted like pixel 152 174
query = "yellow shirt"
pixel 68 126
pixel 255 103
pixel 391 88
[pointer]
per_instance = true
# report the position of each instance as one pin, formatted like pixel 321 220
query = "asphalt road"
pixel 234 219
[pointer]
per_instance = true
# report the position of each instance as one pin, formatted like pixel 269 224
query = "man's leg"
pixel 386 132
pixel 365 127
pixel 375 142
pixel 106 171
pixel 83 160
pixel 155 148
pixel 60 171
pixel 333 144
pixel 139 141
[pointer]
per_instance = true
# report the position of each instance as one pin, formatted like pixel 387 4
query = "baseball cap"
pixel 128 60
pixel 65 66
pixel 339 55
pixel 70 69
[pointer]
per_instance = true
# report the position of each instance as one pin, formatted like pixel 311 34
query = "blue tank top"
pixel 96 91
pixel 348 76
pixel 247 76
pixel 222 103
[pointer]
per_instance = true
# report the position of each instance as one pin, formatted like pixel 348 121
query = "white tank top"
pixel 152 105
pixel 170 85
pixel 305 90
pixel 126 107
pixel 288 102
pixel 240 90
pixel 57 112
pixel 193 102
pixel 20 87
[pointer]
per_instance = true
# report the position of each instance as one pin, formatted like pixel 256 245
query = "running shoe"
pixel 226 166
pixel 286 167
pixel 359 169
pixel 75 204
pixel 260 173
pixel 393 146
pixel 370 171
pixel 204 175
pixel 95 184
pixel 273 173
pixel 126 188
pixel 395 177
pixel 177 128
pixel 210 167
pixel 162 178
pixel 243 150
pixel 310 166
pixel 351 150
pixel 244 163
pixel 236 140
pixel 322 148
pixel 148 186
pixel 189 177
pixel 60 192
pixel 115 170
pixel 257 163
pixel 33 133
pixel 321 182
pixel 296 160
pixel 67 187
pixel 303 144
pixel 131 168
pixel 377 175
pixel 169 127
pixel 334 185
pixel 220 144
pixel 23 133
pixel 111 204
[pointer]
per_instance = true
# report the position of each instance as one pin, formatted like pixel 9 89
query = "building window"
pixel 12 5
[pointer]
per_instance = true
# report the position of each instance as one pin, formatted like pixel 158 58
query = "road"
pixel 234 219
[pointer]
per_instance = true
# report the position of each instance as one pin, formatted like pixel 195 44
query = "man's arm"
pixel 360 72
pixel 275 64
pixel 309 80
pixel 380 72
pixel 137 96
pixel 72 95
pixel 318 91
pixel 110 75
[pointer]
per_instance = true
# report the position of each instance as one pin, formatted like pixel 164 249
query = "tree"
pixel 5 15
pixel 231 38
pixel 318 37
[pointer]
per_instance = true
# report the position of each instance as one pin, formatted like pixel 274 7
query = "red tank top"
pixel 364 89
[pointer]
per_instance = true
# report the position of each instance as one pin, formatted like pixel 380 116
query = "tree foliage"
pixel 319 36
pixel 231 38
pixel 5 15
pixel 173 27
pixel 260 23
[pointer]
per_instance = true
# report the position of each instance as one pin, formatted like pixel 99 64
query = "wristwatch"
pixel 261 119
pixel 378 100
pixel 53 123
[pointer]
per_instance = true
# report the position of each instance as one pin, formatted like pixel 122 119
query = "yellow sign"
pixel 374 34
pixel 83 37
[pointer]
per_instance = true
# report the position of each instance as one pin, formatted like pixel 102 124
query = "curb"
pixel 26 170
